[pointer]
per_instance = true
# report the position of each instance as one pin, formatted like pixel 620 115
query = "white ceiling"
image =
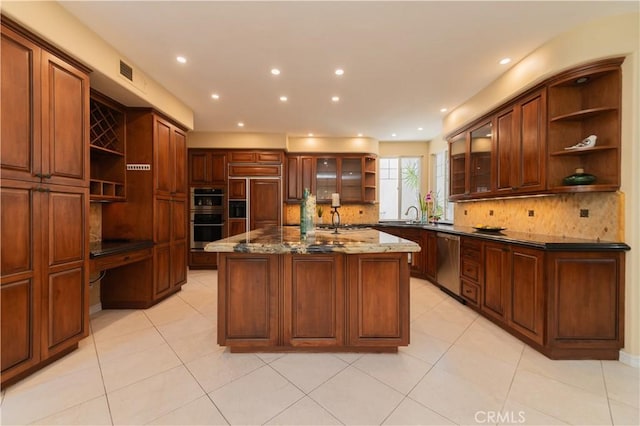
pixel 403 61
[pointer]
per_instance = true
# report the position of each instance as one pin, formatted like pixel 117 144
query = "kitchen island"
pixel 346 291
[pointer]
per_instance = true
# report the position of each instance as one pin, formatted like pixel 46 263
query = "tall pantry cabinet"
pixel 44 203
pixel 156 207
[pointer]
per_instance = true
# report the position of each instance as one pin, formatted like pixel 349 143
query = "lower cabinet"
pixel 568 305
pixel 44 300
pixel 203 260
pixel 422 264
pixel 320 301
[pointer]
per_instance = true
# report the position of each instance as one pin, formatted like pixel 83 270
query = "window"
pixel 440 167
pixel 399 186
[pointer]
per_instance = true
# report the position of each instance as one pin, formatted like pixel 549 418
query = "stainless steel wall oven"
pixel 206 216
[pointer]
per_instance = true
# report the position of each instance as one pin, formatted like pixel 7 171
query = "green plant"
pixel 411 176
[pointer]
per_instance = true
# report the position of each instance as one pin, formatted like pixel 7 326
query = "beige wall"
pixel 236 140
pixel 337 145
pixel 610 37
pixel 53 23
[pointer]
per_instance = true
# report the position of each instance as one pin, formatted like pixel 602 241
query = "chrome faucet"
pixel 417 212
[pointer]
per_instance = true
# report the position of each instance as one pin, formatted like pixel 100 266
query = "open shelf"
pixel 582 114
pixel 106 190
pixel 585 151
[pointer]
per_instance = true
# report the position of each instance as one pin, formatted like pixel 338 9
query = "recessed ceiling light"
pixel 215 96
pixel 505 61
pixel 310 134
pixel 181 59
pixel 420 129
pixel 359 135
pixel 443 110
pixel 335 98
pixel 240 124
pixel 339 71
pixel 283 98
pixel 393 134
pixel 275 71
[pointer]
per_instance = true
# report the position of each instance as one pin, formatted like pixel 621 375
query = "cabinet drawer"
pixel 242 157
pixel 269 157
pixel 113 261
pixel 470 269
pixel 254 170
pixel 470 253
pixel 470 292
pixel 203 259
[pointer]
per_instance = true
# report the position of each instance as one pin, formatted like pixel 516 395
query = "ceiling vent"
pixel 126 71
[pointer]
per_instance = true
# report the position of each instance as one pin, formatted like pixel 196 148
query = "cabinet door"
pixel 162 270
pixel 162 153
pixel 326 178
pixel 531 148
pixel 314 300
pixel 378 299
pixel 199 168
pixel 20 294
pixel 265 203
pixel 430 255
pixel 237 189
pixel 351 179
pixel 506 150
pixel 65 123
pixel 458 166
pixel 526 301
pixel 218 168
pixel 179 157
pixel 300 175
pixel 497 279
pixel 178 268
pixel 237 226
pixel 248 299
pixel 481 168
pixel 418 258
pixel 20 154
pixel 65 297
pixel 162 211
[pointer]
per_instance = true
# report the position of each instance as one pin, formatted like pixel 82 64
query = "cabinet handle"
pixel 126 258
pixel 514 188
pixel 41 176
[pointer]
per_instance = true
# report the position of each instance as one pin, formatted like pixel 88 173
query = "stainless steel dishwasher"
pixel 448 274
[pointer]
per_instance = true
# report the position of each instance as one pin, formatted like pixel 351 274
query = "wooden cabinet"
pixel 585 302
pixel 300 174
pixel 237 189
pixel 156 207
pixel 351 175
pixel 582 102
pixel 207 167
pixel 520 145
pixel 44 203
pixel 314 300
pixel 497 279
pixel 422 264
pixel 567 304
pixel 107 149
pixel 430 254
pixel 471 270
pixel 248 294
pixel 533 136
pixel 378 300
pixel 318 302
pixel 265 203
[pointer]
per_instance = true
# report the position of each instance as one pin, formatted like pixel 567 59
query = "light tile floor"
pixel 162 366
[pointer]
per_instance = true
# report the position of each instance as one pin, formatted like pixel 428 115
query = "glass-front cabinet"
pixel 326 178
pixel 351 179
pixel 480 159
pixel 458 165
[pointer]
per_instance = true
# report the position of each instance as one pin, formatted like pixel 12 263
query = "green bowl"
pixel 579 179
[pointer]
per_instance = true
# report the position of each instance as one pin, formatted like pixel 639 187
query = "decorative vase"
pixel 424 218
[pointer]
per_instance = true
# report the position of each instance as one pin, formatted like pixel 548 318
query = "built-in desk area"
pixel 127 268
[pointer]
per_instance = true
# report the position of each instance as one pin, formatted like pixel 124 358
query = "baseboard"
pixel 95 308
pixel 632 360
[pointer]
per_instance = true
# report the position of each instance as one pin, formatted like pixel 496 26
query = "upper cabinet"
pixel 45 120
pixel 108 149
pixel 531 144
pixel 353 176
pixel 207 167
pixel 585 102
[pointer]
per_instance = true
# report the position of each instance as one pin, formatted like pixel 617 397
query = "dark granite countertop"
pixel 110 247
pixel 545 242
pixel 287 239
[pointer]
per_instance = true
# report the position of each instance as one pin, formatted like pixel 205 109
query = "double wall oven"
pixel 207 216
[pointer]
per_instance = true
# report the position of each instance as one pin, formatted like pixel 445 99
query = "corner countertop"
pixel 287 239
pixel 545 242
pixel 111 247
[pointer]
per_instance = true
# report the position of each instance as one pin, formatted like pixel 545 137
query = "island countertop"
pixel 287 239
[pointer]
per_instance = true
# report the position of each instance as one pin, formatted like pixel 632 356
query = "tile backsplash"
pixel 350 214
pixel 578 215
pixel 95 222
